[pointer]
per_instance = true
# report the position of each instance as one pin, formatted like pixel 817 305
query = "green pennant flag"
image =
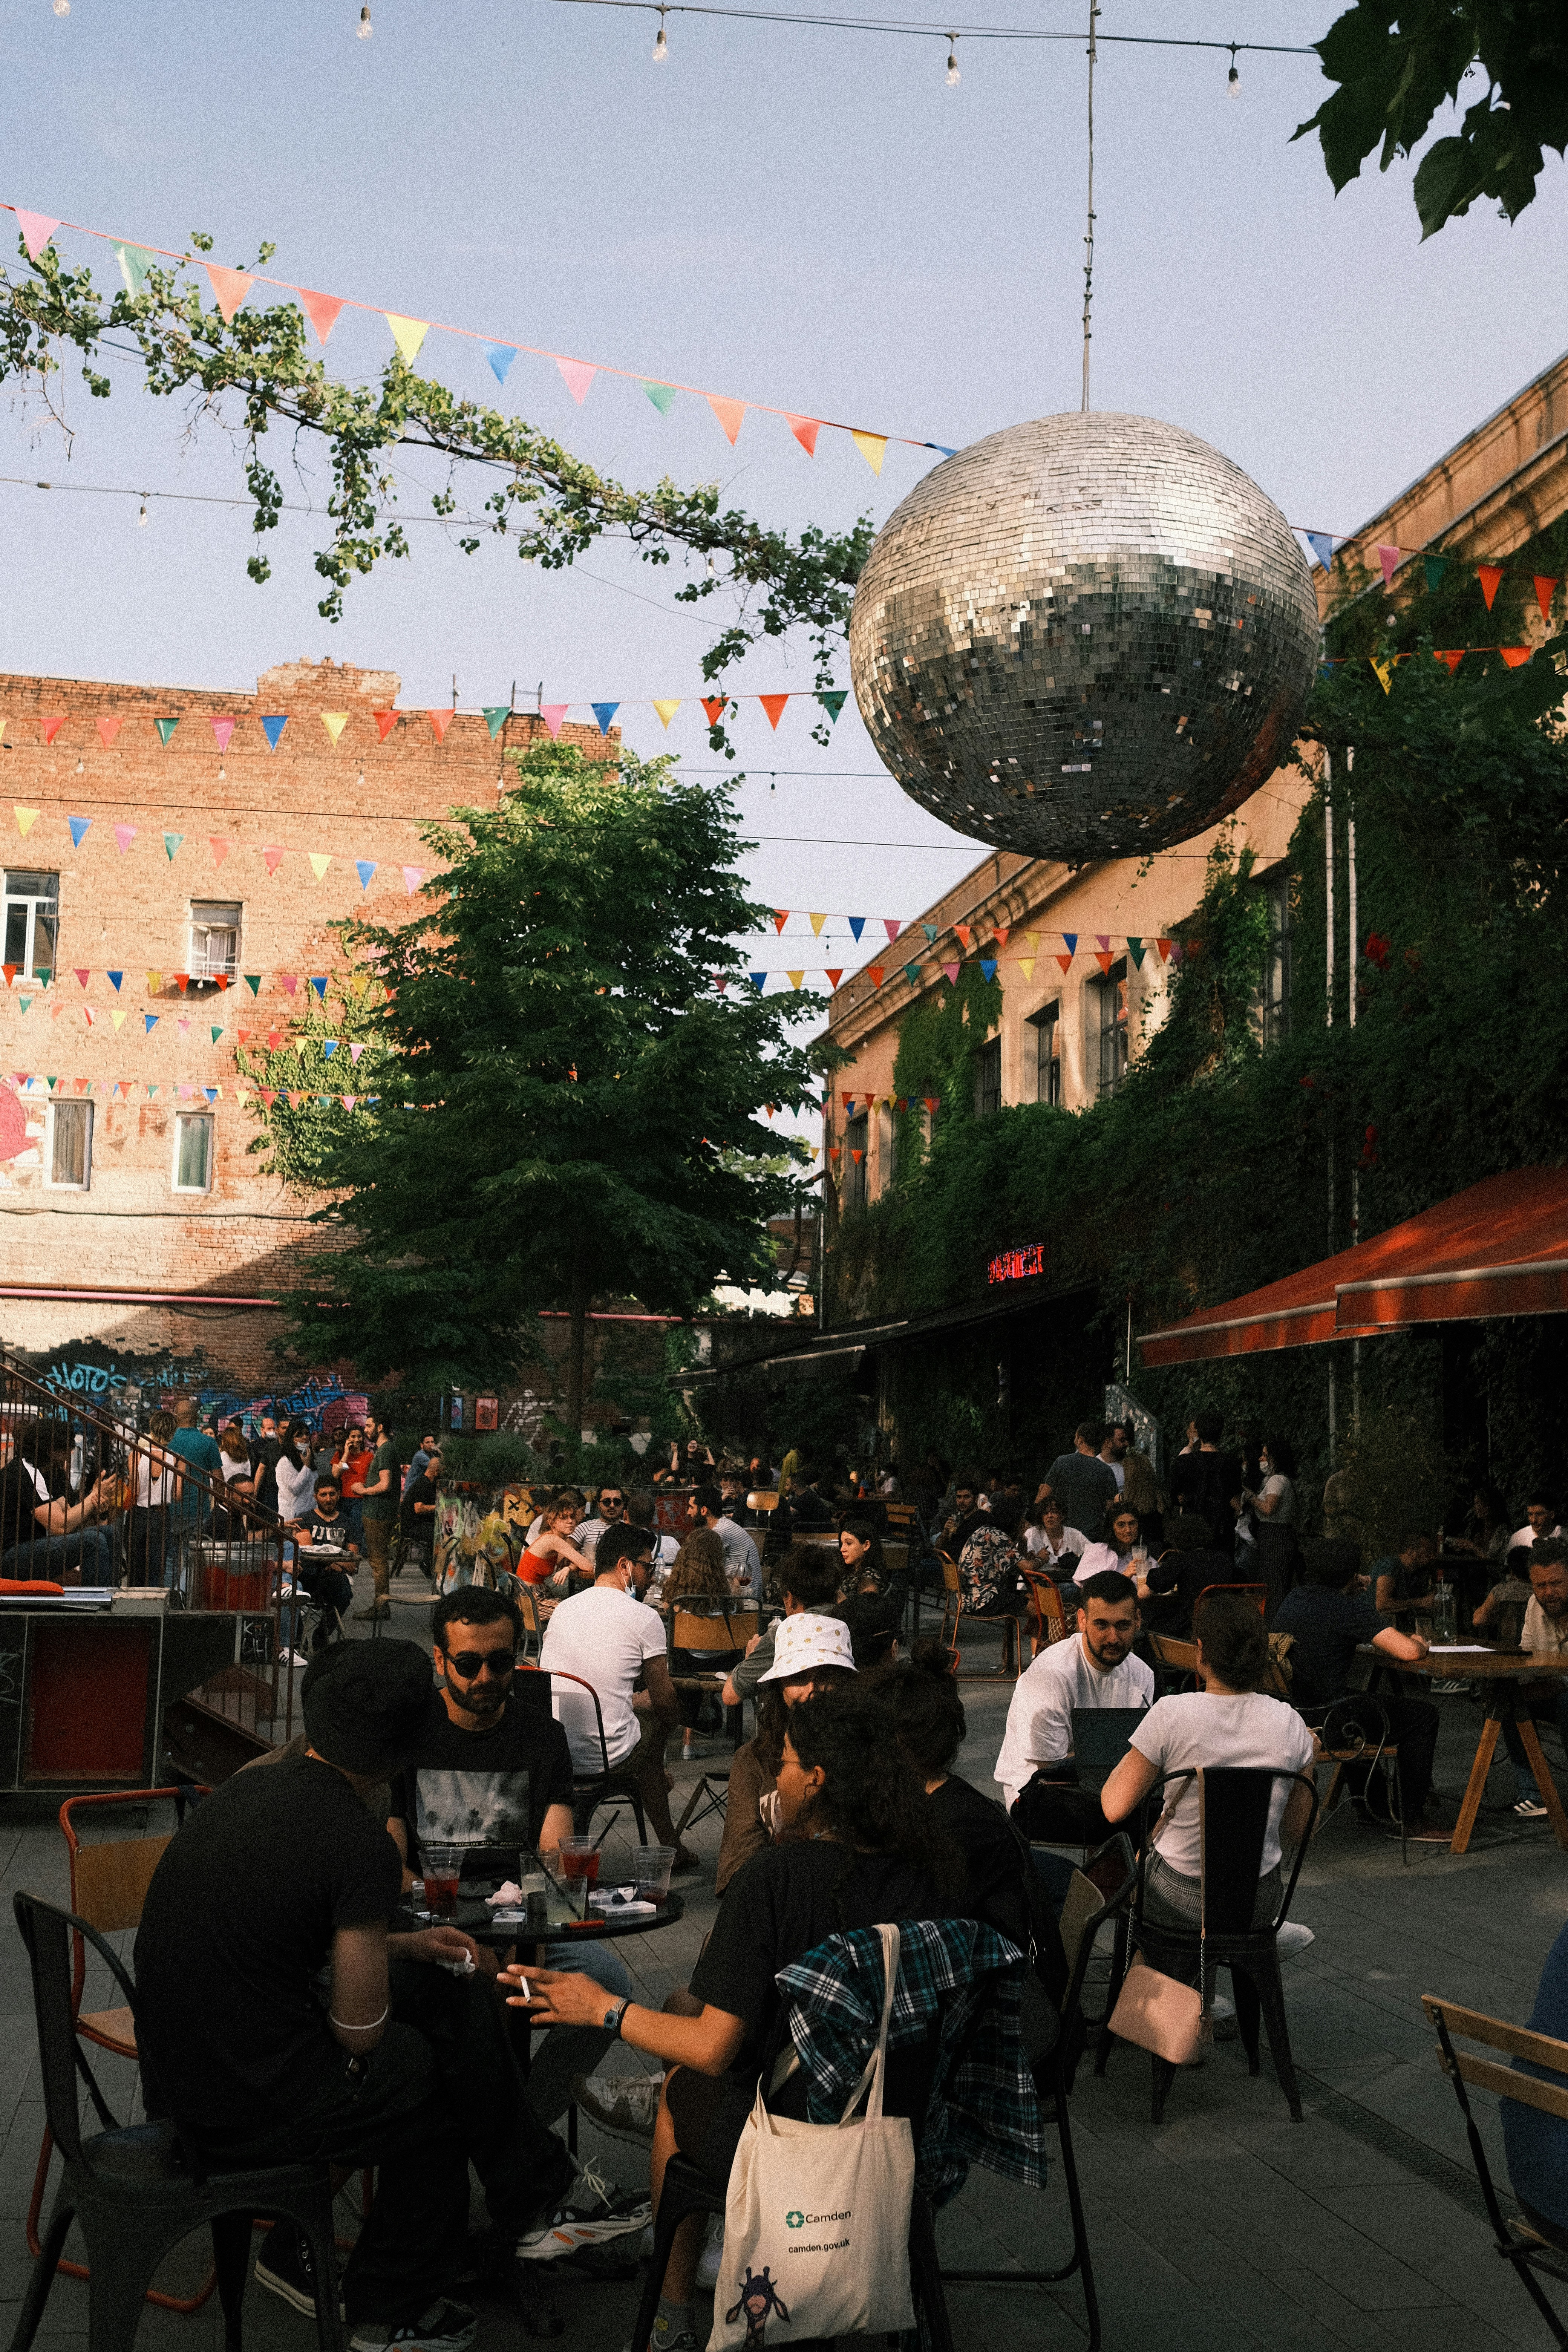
pixel 165 728
pixel 170 842
pixel 134 261
pixel 253 982
pixel 1137 951
pixel 1435 566
pixel 24 1002
pixel 217 1034
pixel 662 396
pixel 834 703
pixel 51 1084
pixel 496 716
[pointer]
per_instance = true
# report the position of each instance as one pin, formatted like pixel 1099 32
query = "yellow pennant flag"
pixel 26 819
pixel 817 923
pixel 2 727
pixel 1385 675
pixel 873 447
pixel 1026 966
pixel 358 983
pixel 120 1018
pixel 796 979
pixel 1034 943
pixel 320 862
pixel 334 722
pixel 154 983
pixel 407 334
pixel 667 711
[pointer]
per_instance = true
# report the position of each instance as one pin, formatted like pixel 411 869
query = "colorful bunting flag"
pixel 80 826
pixel 219 848
pixel 500 357
pixel 441 721
pixel 1435 566
pixel 320 861
pixel 662 396
pixel 51 724
pixel 873 447
pixel 1543 591
pixel 496 716
pixel 171 844
pixel 412 877
pixel 1490 577
pixel 109 727
pixel 856 925
pixel 407 334
pixel 229 287
pixel 988 966
pixel 1388 560
pixel 272 858
pixel 364 867
pixel 951 970
pixel 386 721
pixel 36 230
pixel 553 714
pixel 334 722
pixel 1322 547
pixel 272 727
pixel 912 974
pixel 322 310
pixel 27 819
pixel 774 704
pixel 832 703
pixel 604 713
pixel 730 413
pixel 134 261
pixel 833 978
pixel 577 376
pixel 667 711
pixel 796 979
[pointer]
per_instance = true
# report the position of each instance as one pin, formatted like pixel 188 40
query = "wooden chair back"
pixel 950 1576
pixel 764 1499
pixel 1257 1592
pixel 732 1630
pixel 108 1881
pixel 527 1600
pixel 825 1538
pixel 1518 2041
pixel 1047 1608
pixel 904 1519
pixel 1181 1657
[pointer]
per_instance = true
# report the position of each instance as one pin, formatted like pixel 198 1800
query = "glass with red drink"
pixel 442 1866
pixel 580 1865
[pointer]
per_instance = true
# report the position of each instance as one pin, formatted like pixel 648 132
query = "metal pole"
pixel 1329 1023
pixel 1088 237
pixel 1354 929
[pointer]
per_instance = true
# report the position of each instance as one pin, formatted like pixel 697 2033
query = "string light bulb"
pixel 365 28
pixel 662 46
pixel 62 7
pixel 954 76
pixel 142 517
pixel 1233 79
pixel 222 774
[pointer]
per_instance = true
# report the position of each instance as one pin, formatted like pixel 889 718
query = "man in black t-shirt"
pixel 1171 1585
pixel 1207 1483
pixel 1082 1483
pixel 416 1512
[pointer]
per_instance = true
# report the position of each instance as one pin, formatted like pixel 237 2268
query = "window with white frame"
pixel 32 921
pixel 68 1157
pixel 1109 1000
pixel 1047 1025
pixel 214 939
pixel 193 1152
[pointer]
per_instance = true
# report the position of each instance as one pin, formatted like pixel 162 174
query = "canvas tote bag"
pixel 1158 2012
pixel 816 2222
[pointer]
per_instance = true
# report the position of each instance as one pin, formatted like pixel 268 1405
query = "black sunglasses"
pixel 612 1499
pixel 472 1663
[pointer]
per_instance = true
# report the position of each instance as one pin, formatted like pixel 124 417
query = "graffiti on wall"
pixel 85 1373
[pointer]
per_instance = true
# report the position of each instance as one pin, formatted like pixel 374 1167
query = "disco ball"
pixel 1086 636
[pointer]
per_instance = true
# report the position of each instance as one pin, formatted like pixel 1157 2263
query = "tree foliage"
pixel 1397 62
pixel 255 377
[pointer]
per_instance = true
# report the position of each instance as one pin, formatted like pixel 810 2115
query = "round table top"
pixel 1462 1663
pixel 474 1916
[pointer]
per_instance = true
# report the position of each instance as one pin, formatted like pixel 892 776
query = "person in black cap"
pixel 281 1875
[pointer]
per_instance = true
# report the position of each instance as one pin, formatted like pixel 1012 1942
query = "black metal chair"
pixel 1054 2055
pixel 138 2191
pixel 612 1783
pixel 1355 1736
pixel 1235 1804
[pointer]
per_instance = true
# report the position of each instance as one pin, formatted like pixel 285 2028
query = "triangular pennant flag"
pixel 1384 672
pixel 796 979
pixel 211 1093
pixel 322 310
pixel 835 1151
pixel 171 844
pixel 329 1047
pixel 412 877
pixel 253 982
pixel 553 714
pixel 165 729
pixel 604 713
pixel 951 969
pixel 89 1015
pixel 856 925
pixel 154 983
pixel 27 819
pixel 912 974
pixel 893 926
pixel 272 727
pixel 118 1017
pixel 115 978
pixel 1543 588
pixel 932 1103
pixel 36 230
pixel 964 932
pixel 849 1103
pixel 320 861
pixel 500 357
pixel 223 729
pixel 219 848
pixel 183 982
pixel 220 980
pixel 11 969
pixel 832 703
pixel 730 413
pixel 496 716
pixel 349 1101
pixel 229 287
pixel 79 827
pixel 713 704
pixel 988 966
pixel 109 727
pixel 151 1020
pixel 268 1094
pixel 51 724
pixel 272 858
pixel 930 931
pixel 1026 966
pixel 441 721
pixel 1003 933
pixel 1515 655
pixel 806 430
pixel 1434 566
pixel 334 722
pixel 662 396
pixel 24 1002
pixel 817 922
pixel 217 1034
pixel 667 711
pixel 1104 959
pixel 833 978
pixel 875 973
pixel 1322 547
pixel 364 867
pixel 319 982
pixel 83 976
pixel 873 447
pixel 1164 948
pixel 774 704
pixel 407 334
pixel 1454 657
pixel 759 980
pixel 857 1153
pixel 1101 938
pixel 1137 951
pixel 134 261
pixel 1388 562
pixel 355 1051
pixel 781 917
pixel 577 376
pixel 386 721
pixel 1490 576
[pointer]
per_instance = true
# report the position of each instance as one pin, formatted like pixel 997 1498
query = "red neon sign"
pixel 1016 1264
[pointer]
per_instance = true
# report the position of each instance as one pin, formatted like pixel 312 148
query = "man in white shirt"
pixel 742 1562
pixel 1095 1668
pixel 1539 1519
pixel 609 1512
pixel 608 1638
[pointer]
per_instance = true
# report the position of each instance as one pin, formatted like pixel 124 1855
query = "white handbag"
pixel 817 2221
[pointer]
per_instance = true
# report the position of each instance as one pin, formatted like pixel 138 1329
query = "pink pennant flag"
pixel 272 858
pixel 891 926
pixel 219 848
pixel 1388 558
pixel 806 430
pixel 124 834
pixel 730 413
pixel 412 877
pixel 951 969
pixel 36 230
pixel 1102 941
pixel 578 376
pixel 109 728
pixel 441 721
pixel 355 1052
pixel 553 713
pixel 322 310
pixel 230 287
pixel 349 1101
pixel 223 728
pixel 288 981
pixel 83 976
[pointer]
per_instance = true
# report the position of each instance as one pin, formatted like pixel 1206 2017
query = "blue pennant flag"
pixel 857 923
pixel 211 1093
pixel 946 452
pixel 1069 941
pixel 320 985
pixel 604 713
pixel 328 1046
pixel 272 729
pixel 364 867
pixel 500 357
pixel 988 967
pixel 759 980
pixel 114 978
pixel 1322 547
pixel 151 1019
pixel 79 825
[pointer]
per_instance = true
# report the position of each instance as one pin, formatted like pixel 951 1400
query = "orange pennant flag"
pixel 835 977
pixel 230 287
pixel 1104 959
pixel 322 310
pixel 1065 961
pixel 774 704
pixel 963 931
pixel 713 704
pixel 441 721
pixel 1003 934
pixel 386 721
pixel 730 413
pixel 806 430
pixel 781 917
pixel 874 973
pixel 1490 577
pixel 1453 659
pixel 1515 655
pixel 1544 589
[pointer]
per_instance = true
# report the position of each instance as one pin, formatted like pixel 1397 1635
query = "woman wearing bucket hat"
pixel 810 1665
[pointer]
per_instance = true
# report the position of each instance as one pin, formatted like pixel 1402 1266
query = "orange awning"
pixel 1499 1248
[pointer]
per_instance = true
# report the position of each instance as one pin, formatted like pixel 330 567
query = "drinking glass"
pixel 651 1867
pixel 442 1866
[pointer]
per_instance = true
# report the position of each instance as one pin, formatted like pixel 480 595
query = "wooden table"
pixel 1505 1672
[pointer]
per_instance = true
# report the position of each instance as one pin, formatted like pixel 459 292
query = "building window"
pixel 988 1080
pixel 1046 1026
pixel 193 1152
pixel 32 921
pixel 69 1158
pixel 214 940
pixel 1109 1002
pixel 1276 960
pixel 857 1145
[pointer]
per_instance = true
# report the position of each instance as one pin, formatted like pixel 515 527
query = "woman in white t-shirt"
pixel 1230 1722
pixel 1049 1540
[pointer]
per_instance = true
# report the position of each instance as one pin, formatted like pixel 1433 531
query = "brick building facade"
pixel 174 866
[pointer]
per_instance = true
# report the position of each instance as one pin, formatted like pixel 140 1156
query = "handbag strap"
pixel 875 2067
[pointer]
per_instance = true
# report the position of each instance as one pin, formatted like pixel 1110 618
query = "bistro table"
pixel 1505 1672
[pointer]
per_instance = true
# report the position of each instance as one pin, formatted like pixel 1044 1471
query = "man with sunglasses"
pixel 611 1512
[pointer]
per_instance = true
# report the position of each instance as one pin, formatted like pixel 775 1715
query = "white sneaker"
pixel 712 2255
pixel 622 2106
pixel 292 1658
pixel 1220 2007
pixel 593 2213
pixel 1293 1937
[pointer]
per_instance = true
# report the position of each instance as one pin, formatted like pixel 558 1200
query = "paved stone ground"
pixel 1227 2227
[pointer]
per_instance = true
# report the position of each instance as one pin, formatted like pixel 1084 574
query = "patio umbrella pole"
pixel 1329 1023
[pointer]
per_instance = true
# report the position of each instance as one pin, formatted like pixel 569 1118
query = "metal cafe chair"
pixel 690 1631
pixel 612 1783
pixel 1047 1619
pixel 1258 1593
pixel 953 1616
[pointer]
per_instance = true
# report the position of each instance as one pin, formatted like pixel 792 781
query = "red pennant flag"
pixel 322 310
pixel 1544 589
pixel 713 704
pixel 1004 933
pixel 730 413
pixel 1164 948
pixel 874 973
pixel 930 1102
pixel 806 430
pixel 272 859
pixel 1489 575
pixel 1453 659
pixel 1104 959
pixel 1065 961
pixel 774 704
pixel 182 980
pixel 963 932
pixel 441 720
pixel 109 729
pixel 848 1102
pixel 52 724
pixel 1388 558
pixel 835 977
pixel 386 721
pixel 83 976
pixel 835 1151
pixel 857 1155
pixel 1515 655
pixel 781 917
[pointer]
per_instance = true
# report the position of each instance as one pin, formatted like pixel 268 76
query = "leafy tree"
pixel 1396 62
pixel 564 1103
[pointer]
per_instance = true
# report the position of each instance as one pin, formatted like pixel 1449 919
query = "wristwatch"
pixel 612 2019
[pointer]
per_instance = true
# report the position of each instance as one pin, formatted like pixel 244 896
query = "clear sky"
pixel 802 216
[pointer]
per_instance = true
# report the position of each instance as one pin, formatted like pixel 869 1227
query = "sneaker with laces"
pixel 287 2267
pixel 711 2257
pixel 665 2338
pixel 445 2326
pixel 1293 1936
pixel 622 2106
pixel 591 2216
pixel 1531 1809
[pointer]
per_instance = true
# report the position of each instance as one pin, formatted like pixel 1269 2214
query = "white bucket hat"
pixel 805 1641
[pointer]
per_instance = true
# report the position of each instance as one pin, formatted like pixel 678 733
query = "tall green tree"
pixel 567 1104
